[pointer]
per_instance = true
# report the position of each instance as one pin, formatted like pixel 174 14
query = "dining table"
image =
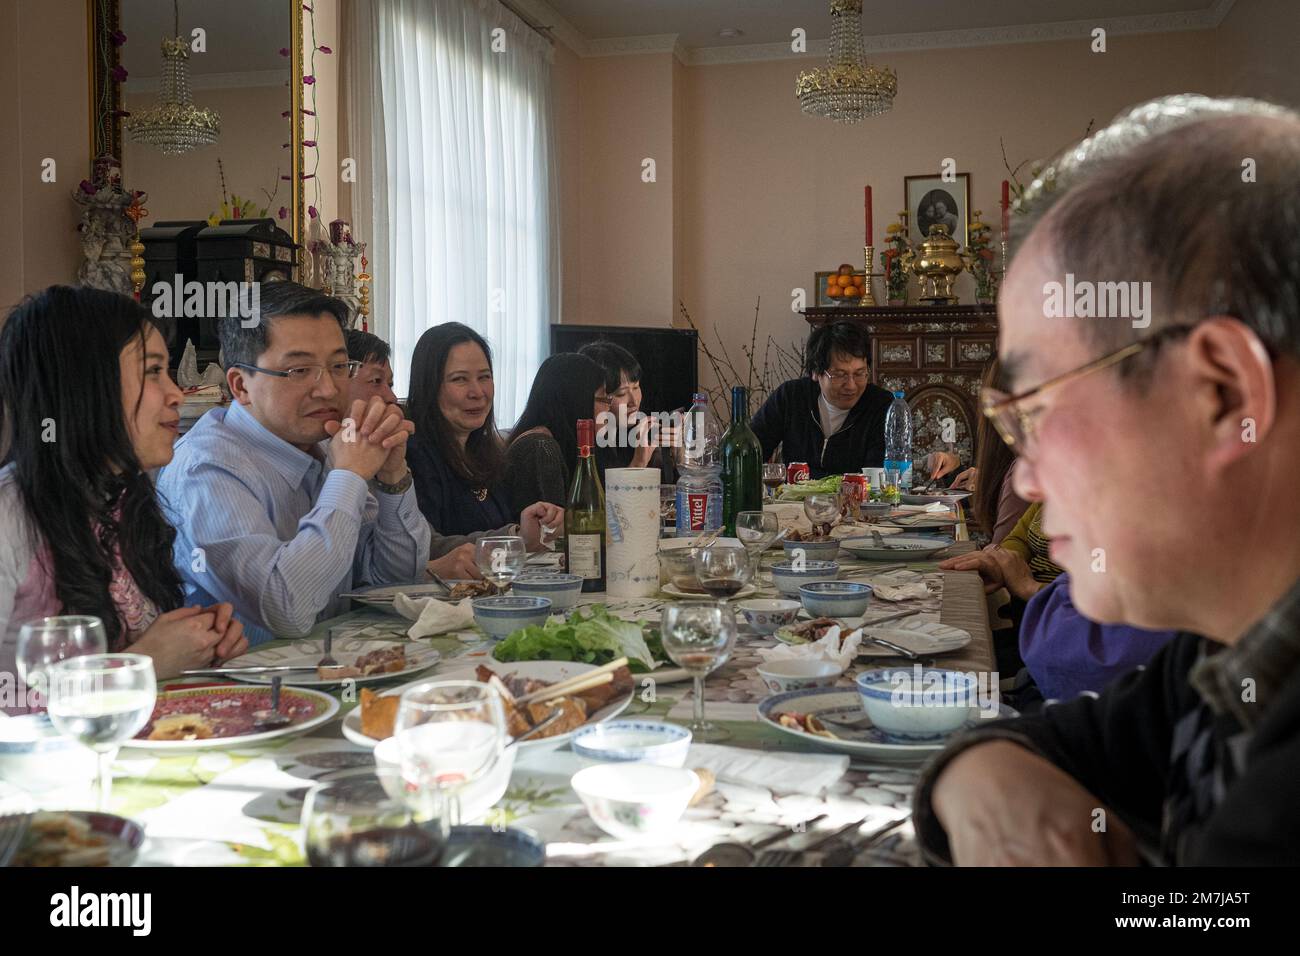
pixel 242 805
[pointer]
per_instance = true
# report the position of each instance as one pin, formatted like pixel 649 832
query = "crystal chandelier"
pixel 848 88
pixel 175 125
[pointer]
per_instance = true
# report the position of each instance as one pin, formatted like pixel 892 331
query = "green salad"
pixel 817 486
pixel 595 638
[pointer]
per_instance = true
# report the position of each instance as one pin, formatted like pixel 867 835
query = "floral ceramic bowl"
pixel 635 801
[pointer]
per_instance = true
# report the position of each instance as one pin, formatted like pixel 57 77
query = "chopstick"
pixel 586 679
pixel 546 694
pixel 267 669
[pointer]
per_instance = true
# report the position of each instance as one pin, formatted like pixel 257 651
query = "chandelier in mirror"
pixel 175 125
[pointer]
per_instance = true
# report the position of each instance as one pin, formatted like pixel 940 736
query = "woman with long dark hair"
pixel 456 454
pixel 87 409
pixel 544 444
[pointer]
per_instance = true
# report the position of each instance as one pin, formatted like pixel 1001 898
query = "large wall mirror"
pixel 249 73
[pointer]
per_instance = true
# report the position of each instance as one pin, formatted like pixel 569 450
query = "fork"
pixel 327 660
pixel 13 828
pixel 786 857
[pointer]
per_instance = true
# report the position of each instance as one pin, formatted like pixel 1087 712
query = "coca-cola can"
pixel 797 471
pixel 856 487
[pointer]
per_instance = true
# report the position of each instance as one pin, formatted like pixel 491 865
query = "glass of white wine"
pixel 102 700
pixel 699 638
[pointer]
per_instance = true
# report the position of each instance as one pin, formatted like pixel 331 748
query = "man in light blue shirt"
pixel 270 496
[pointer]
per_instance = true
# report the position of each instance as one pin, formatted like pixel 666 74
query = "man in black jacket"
pixel 835 418
pixel 1193 759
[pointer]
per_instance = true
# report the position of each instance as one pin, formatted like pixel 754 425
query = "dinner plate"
pixel 846 703
pixel 115 840
pixel 939 494
pixel 317 709
pixel 921 637
pixel 677 592
pixel 345 650
pixel 902 547
pixel 538 670
pixel 381 596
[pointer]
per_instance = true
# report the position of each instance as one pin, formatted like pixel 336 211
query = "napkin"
pixel 790 516
pixel 827 649
pixel 899 592
pixel 781 772
pixel 862 530
pixel 432 616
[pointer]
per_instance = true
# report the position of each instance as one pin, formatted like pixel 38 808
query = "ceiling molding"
pixel 631 46
pixel 213 81
pixel 546 17
pixel 1221 9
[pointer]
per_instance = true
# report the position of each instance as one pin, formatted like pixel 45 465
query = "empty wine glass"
pixel 501 559
pixel 773 477
pixel 49 640
pixel 102 700
pixel 821 509
pixel 756 530
pixel 354 822
pixel 450 734
pixel 722 570
pixel 699 638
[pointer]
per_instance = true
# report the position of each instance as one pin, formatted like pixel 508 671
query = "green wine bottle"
pixel 584 517
pixel 742 464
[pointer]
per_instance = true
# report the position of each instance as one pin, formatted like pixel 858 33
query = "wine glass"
pixel 102 700
pixel 699 637
pixel 821 509
pixel 722 570
pixel 756 530
pixel 354 822
pixel 501 559
pixel 450 734
pixel 773 477
pixel 49 640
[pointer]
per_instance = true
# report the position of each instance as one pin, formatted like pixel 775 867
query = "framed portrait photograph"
pixel 930 199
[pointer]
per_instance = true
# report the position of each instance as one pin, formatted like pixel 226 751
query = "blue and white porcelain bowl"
pixel 918 703
pixel 788 580
pixel 635 801
pixel 798 674
pixel 633 741
pixel 766 615
pixel 562 589
pixel 502 615
pixel 835 598
pixel 35 756
pixel 812 550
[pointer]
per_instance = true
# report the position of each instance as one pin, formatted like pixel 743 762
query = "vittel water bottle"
pixel 898 440
pixel 699 465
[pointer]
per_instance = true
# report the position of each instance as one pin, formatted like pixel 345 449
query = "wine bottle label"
pixel 584 555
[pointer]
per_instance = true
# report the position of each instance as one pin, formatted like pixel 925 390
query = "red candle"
pixel 1006 208
pixel 867 203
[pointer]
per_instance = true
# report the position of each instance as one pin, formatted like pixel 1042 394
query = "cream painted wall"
pixel 1257 42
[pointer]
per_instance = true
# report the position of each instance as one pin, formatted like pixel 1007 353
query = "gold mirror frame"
pixel 103 17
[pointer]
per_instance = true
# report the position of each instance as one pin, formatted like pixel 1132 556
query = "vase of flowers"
pixel 980 250
pixel 895 274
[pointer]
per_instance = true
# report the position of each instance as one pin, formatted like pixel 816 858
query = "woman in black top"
pixel 456 455
pixel 544 443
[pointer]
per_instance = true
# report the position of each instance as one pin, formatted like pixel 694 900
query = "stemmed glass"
pixel 756 530
pixel 699 638
pixel 102 700
pixel 49 640
pixel 773 477
pixel 501 559
pixel 722 571
pixel 449 733
pixel 354 822
pixel 821 509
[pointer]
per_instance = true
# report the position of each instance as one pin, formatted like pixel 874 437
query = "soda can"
pixel 858 487
pixel 797 471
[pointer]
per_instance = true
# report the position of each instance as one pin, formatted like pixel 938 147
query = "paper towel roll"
pixel 632 532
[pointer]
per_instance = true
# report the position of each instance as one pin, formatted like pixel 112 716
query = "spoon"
pixel 731 853
pixel 272 718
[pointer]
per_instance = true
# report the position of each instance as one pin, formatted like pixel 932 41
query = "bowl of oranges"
pixel 843 287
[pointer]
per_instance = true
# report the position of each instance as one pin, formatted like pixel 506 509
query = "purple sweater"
pixel 1067 654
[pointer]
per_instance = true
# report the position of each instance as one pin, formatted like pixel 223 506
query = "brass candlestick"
pixel 867 297
pixel 136 212
pixel 363 295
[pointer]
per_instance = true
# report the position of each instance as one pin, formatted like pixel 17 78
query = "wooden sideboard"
pixel 936 354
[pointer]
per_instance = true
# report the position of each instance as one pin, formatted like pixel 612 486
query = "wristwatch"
pixel 397 489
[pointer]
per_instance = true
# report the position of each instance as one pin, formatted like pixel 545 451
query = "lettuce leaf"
pixel 595 638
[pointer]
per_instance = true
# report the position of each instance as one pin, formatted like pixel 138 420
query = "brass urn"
pixel 936 266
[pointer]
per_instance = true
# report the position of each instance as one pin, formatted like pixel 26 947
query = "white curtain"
pixel 450 103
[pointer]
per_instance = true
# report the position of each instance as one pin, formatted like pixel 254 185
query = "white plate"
pixel 921 637
pixel 381 597
pixel 939 494
pixel 846 702
pixel 326 708
pixel 902 547
pixel 345 650
pixel 538 670
pixel 677 592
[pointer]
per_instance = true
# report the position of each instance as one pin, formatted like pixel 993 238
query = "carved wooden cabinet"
pixel 936 354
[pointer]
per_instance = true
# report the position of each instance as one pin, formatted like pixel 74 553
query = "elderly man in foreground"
pixel 1165 450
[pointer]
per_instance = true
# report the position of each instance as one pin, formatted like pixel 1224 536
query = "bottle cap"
pixel 898 394
pixel 586 435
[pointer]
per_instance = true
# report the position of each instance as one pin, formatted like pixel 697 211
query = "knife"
pixel 225 671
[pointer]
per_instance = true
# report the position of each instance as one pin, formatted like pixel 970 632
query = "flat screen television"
pixel 669 376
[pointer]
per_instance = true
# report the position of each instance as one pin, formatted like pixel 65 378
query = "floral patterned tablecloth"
pixel 242 806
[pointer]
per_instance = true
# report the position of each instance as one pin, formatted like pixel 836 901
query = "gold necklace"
pixel 479 493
